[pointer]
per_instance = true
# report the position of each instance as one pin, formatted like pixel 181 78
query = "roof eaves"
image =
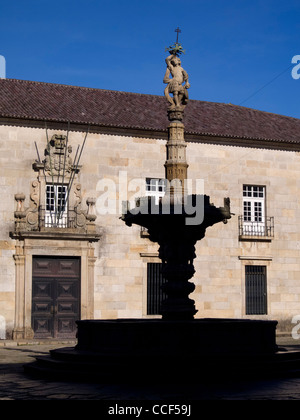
pixel 235 136
pixel 79 122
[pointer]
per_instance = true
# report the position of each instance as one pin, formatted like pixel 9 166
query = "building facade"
pixel 70 156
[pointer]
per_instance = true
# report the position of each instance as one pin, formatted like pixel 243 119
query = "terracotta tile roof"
pixel 61 103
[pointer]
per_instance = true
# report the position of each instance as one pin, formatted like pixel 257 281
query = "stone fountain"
pixel 176 347
pixel 179 220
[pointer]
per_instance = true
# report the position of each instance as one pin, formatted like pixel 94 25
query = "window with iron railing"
pixel 257 230
pixel 254 222
pixel 56 212
pixel 254 205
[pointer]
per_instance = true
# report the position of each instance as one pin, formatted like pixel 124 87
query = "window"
pixel 155 295
pixel 155 187
pixel 56 214
pixel 254 219
pixel 256 290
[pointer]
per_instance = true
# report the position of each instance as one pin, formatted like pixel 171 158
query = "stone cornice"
pixel 61 234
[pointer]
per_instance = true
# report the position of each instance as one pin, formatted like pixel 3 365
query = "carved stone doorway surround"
pixel 26 248
pixel 54 224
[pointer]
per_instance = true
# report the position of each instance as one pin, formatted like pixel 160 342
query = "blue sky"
pixel 234 48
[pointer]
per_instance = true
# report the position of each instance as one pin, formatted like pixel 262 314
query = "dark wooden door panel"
pixel 67 289
pixel 55 297
pixel 42 267
pixel 66 327
pixel 67 307
pixel 42 289
pixel 42 301
pixel 43 327
pixel 68 268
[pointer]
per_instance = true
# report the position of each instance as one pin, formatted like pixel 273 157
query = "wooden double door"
pixel 55 296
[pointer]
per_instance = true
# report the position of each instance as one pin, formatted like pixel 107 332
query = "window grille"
pixel 155 295
pixel 256 290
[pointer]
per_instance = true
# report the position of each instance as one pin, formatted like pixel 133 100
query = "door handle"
pixel 53 310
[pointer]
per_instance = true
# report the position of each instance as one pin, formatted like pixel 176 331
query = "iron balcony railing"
pixel 52 219
pixel 264 228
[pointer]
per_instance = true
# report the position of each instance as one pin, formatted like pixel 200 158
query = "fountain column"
pixel 177 250
pixel 174 223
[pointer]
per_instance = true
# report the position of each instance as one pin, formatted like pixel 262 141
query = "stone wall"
pixel 121 254
pixel 222 257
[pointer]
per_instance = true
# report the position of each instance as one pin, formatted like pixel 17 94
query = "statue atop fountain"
pixel 175 84
pixel 178 84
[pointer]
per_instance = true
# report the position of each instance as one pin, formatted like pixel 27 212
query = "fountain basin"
pixel 158 351
pixel 164 338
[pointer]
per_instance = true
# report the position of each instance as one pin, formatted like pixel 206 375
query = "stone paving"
pixel 16 385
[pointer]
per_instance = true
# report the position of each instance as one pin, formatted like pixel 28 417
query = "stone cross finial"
pixel 178 32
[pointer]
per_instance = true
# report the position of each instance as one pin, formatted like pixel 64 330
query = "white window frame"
pixel 155 187
pixel 254 210
pixel 54 216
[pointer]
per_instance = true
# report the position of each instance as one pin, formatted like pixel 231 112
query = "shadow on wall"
pixel 2 328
